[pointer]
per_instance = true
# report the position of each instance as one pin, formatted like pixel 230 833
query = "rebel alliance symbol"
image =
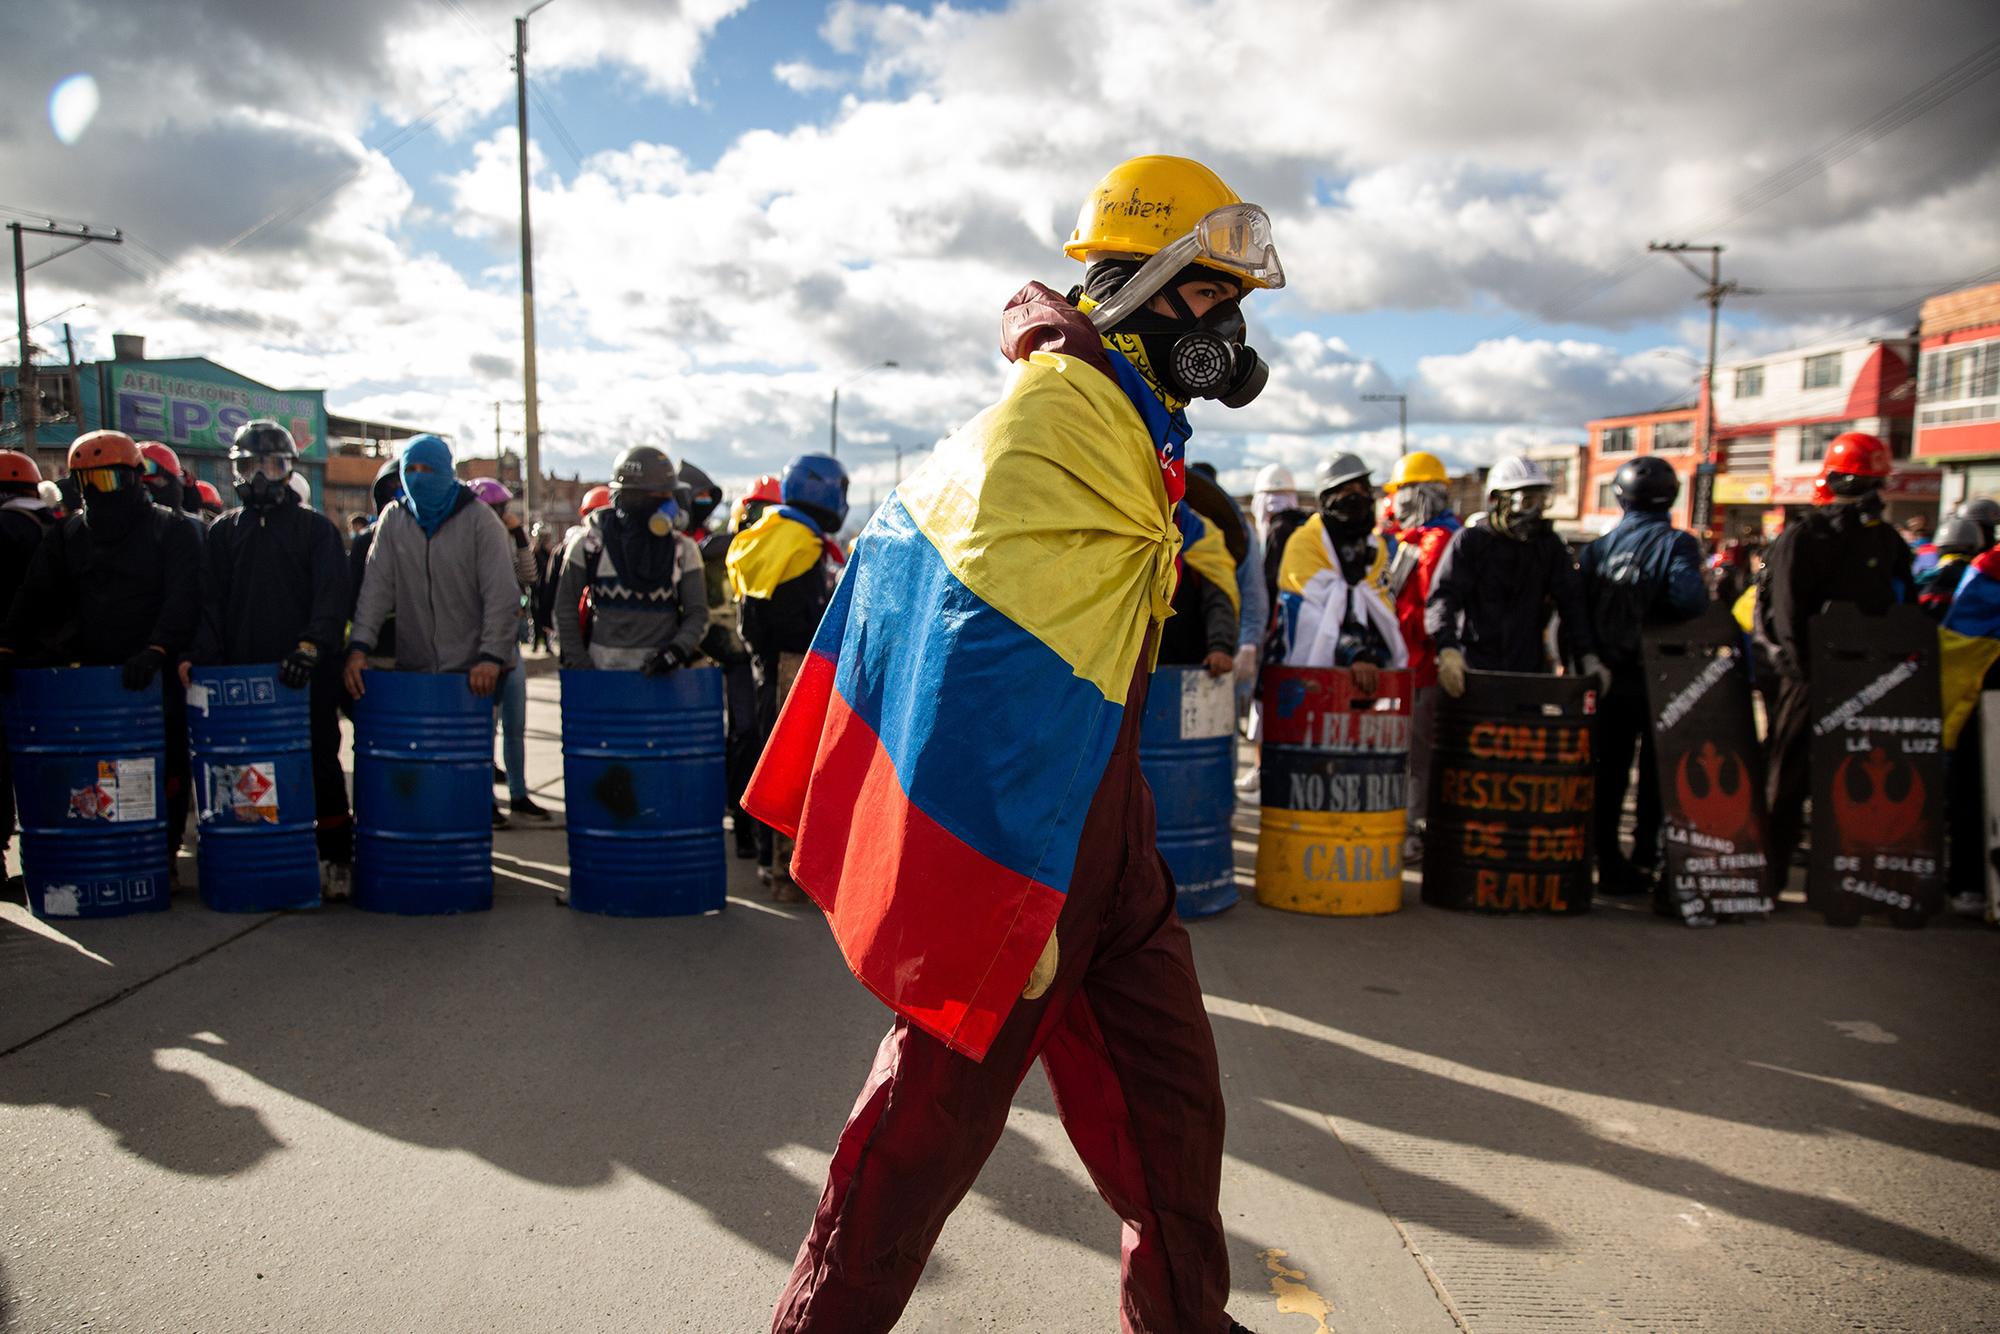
pixel 1877 802
pixel 1713 792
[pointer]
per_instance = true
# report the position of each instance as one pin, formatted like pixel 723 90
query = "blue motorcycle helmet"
pixel 816 484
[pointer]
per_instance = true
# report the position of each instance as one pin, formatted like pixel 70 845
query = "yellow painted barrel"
pixel 1334 809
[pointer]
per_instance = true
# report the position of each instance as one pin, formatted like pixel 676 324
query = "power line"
pixel 387 147
pixel 555 123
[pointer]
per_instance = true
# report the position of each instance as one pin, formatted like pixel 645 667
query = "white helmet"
pixel 1275 477
pixel 1516 472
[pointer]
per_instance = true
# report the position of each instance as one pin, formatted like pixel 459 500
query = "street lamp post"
pixel 833 417
pixel 532 443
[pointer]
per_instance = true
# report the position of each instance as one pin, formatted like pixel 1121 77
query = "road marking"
pixel 1295 1296
pixel 1862 1030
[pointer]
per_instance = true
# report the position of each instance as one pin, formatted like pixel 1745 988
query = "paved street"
pixel 532 1119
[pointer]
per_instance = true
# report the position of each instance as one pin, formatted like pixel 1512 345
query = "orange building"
pixel 1670 433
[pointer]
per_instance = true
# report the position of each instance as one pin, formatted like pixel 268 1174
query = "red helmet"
pixel 103 449
pixel 1857 453
pixel 766 488
pixel 594 499
pixel 160 460
pixel 17 469
pixel 211 499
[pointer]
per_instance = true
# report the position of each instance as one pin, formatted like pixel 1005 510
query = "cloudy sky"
pixel 739 204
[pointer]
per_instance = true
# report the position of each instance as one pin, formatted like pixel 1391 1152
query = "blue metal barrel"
pixel 1187 751
pixel 643 773
pixel 90 784
pixel 253 789
pixel 423 794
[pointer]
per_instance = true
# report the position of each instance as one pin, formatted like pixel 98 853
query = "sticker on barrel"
pixel 243 793
pixel 1335 772
pixel 1513 784
pixel 1878 766
pixel 1710 773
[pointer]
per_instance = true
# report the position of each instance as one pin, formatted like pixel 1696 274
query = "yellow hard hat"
pixel 1145 204
pixel 1417 467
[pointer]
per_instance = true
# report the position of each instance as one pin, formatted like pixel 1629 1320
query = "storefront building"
pixel 1958 391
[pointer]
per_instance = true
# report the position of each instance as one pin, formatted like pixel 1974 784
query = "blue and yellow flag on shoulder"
pixel 1204 548
pixel 1970 640
pixel 782 545
pixel 938 753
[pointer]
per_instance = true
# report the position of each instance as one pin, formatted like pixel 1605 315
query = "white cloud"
pixel 1538 380
pixel 1468 157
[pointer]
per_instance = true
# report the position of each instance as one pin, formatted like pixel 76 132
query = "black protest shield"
pixel 1878 765
pixel 1710 770
pixel 1513 779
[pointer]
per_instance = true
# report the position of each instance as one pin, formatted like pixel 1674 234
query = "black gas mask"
pixel 1203 356
pixel 1856 495
pixel 1521 514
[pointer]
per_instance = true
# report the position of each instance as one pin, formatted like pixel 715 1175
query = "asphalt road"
pixel 533 1119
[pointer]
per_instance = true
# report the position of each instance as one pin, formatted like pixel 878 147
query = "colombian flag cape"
pixel 1970 639
pixel 949 728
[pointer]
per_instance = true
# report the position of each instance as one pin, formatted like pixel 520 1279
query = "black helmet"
pixel 643 468
pixel 1962 536
pixel 698 494
pixel 1984 511
pixel 388 485
pixel 1646 483
pixel 262 436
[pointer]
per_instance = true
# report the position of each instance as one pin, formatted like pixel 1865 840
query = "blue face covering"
pixel 431 495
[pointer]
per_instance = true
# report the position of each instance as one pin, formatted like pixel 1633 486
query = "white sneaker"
pixel 336 881
pixel 1251 781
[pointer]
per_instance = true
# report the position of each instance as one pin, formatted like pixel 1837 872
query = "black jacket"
pixel 1831 555
pixel 1204 622
pixel 99 603
pixel 786 621
pixel 1491 595
pixel 276 575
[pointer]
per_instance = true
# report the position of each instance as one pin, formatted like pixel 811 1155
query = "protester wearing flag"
pixel 1207 603
pixel 1970 643
pixel 1333 583
pixel 959 763
pixel 781 572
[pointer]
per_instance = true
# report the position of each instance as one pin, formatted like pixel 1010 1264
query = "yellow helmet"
pixel 1145 204
pixel 1417 467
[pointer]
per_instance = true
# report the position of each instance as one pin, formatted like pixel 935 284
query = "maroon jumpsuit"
pixel 1126 1045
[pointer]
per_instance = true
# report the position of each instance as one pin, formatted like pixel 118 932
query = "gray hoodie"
pixel 454 594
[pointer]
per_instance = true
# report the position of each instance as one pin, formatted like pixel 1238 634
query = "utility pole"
pixel 1713 293
pixel 1402 402
pixel 26 392
pixel 496 435
pixel 833 416
pixel 531 484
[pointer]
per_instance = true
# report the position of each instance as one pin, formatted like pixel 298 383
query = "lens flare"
pixel 72 106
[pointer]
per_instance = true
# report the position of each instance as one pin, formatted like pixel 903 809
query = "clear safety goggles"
pixel 277 467
pixel 1234 237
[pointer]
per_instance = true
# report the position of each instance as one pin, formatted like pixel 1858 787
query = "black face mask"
pixel 1347 517
pixel 261 492
pixel 110 515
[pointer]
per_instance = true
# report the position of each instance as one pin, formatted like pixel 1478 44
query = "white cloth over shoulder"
pixel 1328 602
